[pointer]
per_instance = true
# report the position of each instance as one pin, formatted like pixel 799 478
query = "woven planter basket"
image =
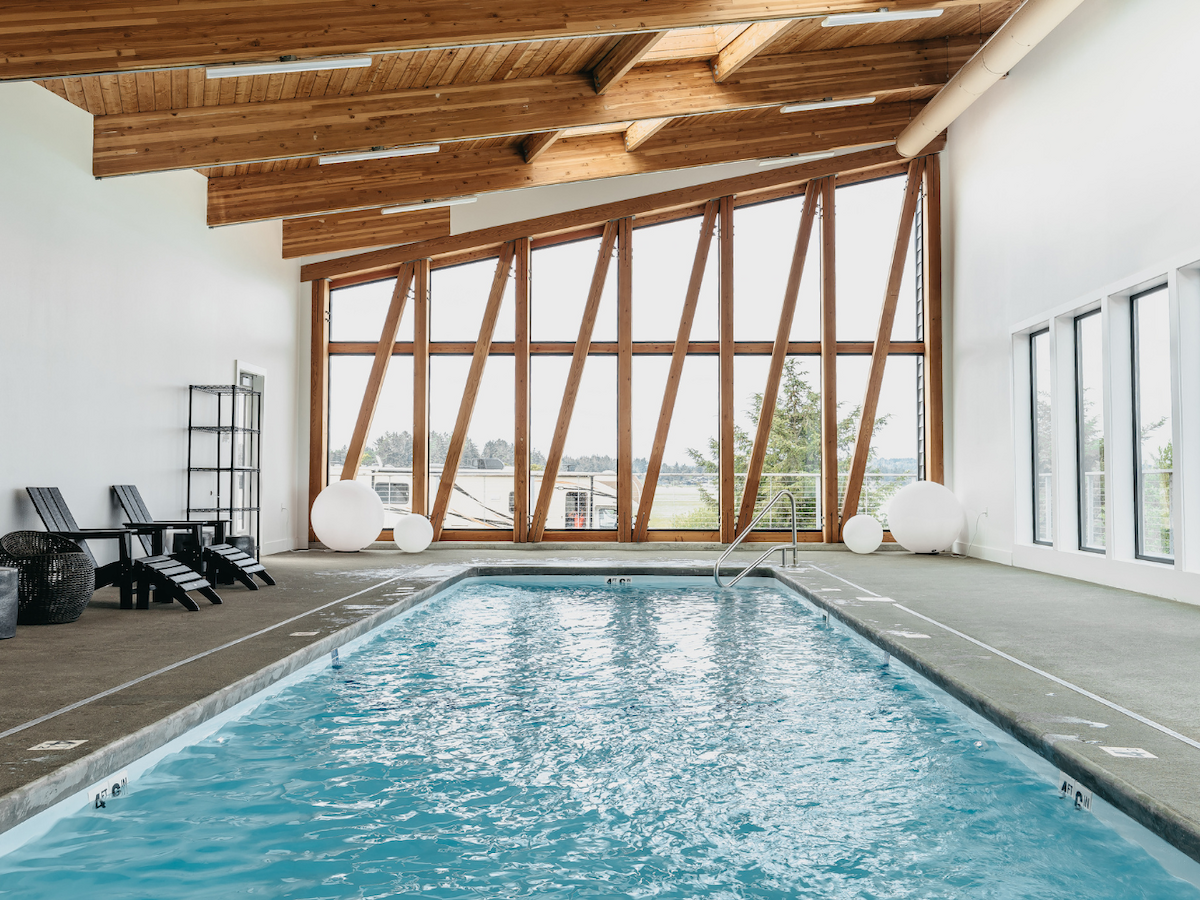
pixel 56 577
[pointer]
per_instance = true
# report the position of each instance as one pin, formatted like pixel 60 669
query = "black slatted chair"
pixel 219 561
pixel 171 579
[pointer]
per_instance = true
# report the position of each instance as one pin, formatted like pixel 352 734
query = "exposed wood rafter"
pixel 521 384
pixel 932 324
pixel 829 348
pixel 420 362
pixel 883 340
pixel 44 40
pixel 320 189
pixel 750 43
pixel 203 136
pixel 625 380
pixel 537 144
pixel 361 228
pixel 726 420
pixel 758 185
pixel 640 132
pixel 318 394
pixel 623 57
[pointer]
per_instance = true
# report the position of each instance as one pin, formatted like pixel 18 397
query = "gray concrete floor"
pixel 1136 651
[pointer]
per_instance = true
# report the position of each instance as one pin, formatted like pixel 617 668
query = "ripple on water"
pixel 552 740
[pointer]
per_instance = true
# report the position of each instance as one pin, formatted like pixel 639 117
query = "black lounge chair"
pixel 170 579
pixel 220 562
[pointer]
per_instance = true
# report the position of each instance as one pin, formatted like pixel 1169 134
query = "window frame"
pixel 1136 411
pixel 421 349
pixel 1080 473
pixel 1033 439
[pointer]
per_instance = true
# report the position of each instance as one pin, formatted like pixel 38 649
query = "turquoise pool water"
pixel 558 739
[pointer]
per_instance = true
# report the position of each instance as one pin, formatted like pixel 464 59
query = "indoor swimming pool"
pixel 562 737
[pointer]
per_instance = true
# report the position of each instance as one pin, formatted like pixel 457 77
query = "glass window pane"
pixel 793 459
pixel 1089 376
pixel 764 242
pixel 865 225
pixel 892 457
pixel 387 454
pixel 904 326
pixel 662 267
pixel 458 296
pixel 561 278
pixel 1043 470
pixel 686 494
pixel 356 313
pixel 585 495
pixel 1152 423
pixel 483 486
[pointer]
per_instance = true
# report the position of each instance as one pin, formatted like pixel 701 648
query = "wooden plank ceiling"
pixel 524 101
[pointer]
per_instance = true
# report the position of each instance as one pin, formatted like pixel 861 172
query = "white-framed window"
pixel 1153 426
pixel 1089 431
pixel 1041 427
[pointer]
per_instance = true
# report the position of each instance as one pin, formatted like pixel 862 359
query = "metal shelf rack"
pixel 225 456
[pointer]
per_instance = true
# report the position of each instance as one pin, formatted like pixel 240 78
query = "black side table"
pixel 55 577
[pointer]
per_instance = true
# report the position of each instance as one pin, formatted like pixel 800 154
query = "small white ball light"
pixel 862 534
pixel 347 516
pixel 925 517
pixel 413 533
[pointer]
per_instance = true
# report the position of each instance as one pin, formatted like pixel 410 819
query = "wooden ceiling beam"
pixel 382 182
pixel 623 57
pixel 640 132
pixel 766 184
pixel 51 40
pixel 200 137
pixel 750 43
pixel 361 228
pixel 537 144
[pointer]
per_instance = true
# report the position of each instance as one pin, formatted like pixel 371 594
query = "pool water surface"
pixel 561 738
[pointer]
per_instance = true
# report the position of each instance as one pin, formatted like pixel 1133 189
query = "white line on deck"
pixel 184 662
pixel 1074 687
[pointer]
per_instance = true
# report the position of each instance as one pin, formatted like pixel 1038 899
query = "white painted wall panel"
pixel 116 296
pixel 1073 176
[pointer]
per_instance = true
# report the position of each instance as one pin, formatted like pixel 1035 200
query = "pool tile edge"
pixel 1159 818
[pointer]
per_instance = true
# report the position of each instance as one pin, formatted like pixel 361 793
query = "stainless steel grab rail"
pixel 783 548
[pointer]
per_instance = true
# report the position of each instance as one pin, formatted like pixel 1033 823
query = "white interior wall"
pixel 1069 182
pixel 116 297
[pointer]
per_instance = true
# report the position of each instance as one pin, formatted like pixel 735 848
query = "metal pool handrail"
pixel 783 548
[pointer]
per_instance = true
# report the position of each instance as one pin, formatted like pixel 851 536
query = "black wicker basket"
pixel 56 577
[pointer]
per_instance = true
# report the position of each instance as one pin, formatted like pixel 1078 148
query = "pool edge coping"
pixel 1143 808
pixel 42 794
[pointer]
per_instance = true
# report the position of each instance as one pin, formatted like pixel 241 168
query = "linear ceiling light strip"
pixel 285 66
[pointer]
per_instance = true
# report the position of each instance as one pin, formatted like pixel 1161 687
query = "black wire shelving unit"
pixel 225 457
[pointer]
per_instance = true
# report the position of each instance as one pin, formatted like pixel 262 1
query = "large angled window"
pixel 700 393
pixel 1089 429
pixel 1153 449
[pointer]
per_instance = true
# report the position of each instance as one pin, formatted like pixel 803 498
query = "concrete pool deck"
pixel 1069 668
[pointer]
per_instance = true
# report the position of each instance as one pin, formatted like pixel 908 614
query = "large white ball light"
pixel 347 516
pixel 925 517
pixel 412 534
pixel 862 534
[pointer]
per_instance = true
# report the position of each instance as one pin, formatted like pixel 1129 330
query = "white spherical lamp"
pixel 347 516
pixel 925 517
pixel 862 534
pixel 412 534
